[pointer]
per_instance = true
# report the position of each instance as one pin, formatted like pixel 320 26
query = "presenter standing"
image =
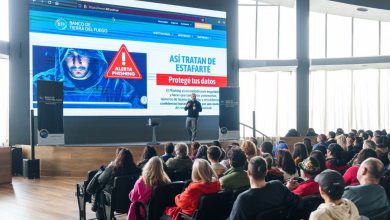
pixel 193 107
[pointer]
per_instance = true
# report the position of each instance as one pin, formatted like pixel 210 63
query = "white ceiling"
pixel 337 8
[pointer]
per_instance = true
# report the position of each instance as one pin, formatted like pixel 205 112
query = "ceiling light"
pixel 362 9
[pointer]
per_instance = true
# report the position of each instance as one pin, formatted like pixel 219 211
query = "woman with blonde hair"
pixel 152 175
pixel 204 181
pixel 342 141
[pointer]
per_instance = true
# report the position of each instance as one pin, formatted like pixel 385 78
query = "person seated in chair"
pixel 213 155
pixel 262 195
pixel 235 177
pixel 369 195
pixel 169 149
pixel 309 168
pixel 121 166
pixel 149 152
pixel 273 173
pixel 331 187
pixel 181 162
pixel 204 181
pixel 152 175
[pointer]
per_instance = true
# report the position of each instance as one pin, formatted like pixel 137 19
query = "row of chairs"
pixel 118 200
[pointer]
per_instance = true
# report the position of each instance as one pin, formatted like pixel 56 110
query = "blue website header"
pixel 89 20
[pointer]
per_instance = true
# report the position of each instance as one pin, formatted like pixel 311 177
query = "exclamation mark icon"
pixel 123 59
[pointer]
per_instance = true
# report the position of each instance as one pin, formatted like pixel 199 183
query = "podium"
pixel 153 123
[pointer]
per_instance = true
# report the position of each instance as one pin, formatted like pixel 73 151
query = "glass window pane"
pixel 267 29
pixel 366 37
pixel 247 96
pixel 385 42
pixel 287 33
pixel 247 2
pixel 317 101
pixel 266 102
pixel 246 26
pixel 317 35
pixel 365 99
pixel 4 34
pixel 4 78
pixel 339 36
pixel 338 100
pixel 286 108
pixel 384 122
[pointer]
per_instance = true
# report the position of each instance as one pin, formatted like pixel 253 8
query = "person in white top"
pixel 331 186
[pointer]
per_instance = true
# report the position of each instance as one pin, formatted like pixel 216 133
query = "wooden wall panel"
pixel 76 161
pixel 5 165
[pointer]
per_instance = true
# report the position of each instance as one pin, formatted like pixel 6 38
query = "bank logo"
pixel 61 24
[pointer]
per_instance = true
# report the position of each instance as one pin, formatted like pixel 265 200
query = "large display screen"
pixel 126 57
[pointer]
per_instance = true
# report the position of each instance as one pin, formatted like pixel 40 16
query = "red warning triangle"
pixel 123 66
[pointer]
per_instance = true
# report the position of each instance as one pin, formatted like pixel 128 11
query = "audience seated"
pixel 223 154
pixel 202 152
pixel 381 150
pixel 321 139
pixel 272 172
pixel 310 167
pixel 235 177
pixel 335 159
pixel 121 166
pixel 331 138
pixel 369 144
pixel 204 181
pixel 262 195
pixel 350 176
pixel 369 195
pixel 152 175
pixel 342 141
pixel 351 151
pixel 322 148
pixel 285 163
pixel 181 162
pixel 169 149
pixel 213 155
pixel 266 147
pixel 331 189
pixel 299 153
pixel 320 157
pixel 280 146
pixel 311 133
pixel 307 143
pixel 149 152
pixel 250 150
pixel 225 161
pixel 292 133
pixel 194 149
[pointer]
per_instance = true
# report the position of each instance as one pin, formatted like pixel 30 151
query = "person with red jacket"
pixel 204 181
pixel 350 176
pixel 310 167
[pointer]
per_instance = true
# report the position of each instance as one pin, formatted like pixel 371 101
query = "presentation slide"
pixel 128 58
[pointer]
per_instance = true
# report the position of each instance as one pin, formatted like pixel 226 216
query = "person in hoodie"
pixel 152 175
pixel 82 73
pixel 331 187
pixel 204 181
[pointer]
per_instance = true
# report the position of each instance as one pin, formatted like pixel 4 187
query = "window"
pixel 4 74
pixel 4 34
pixel 317 35
pixel 287 45
pixel 385 36
pixel 365 37
pixel 247 32
pixel 267 29
pixel 339 36
pixel 272 96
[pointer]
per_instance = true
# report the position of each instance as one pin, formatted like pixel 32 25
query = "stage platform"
pixel 75 161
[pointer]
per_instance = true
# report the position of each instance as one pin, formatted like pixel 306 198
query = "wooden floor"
pixel 46 198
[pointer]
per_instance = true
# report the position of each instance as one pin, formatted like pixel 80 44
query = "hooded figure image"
pixel 82 73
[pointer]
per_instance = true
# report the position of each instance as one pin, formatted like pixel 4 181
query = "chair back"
pixel 238 191
pixel 310 204
pixel 163 196
pixel 120 201
pixel 215 206
pixel 175 175
pixel 379 214
pixel 280 213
